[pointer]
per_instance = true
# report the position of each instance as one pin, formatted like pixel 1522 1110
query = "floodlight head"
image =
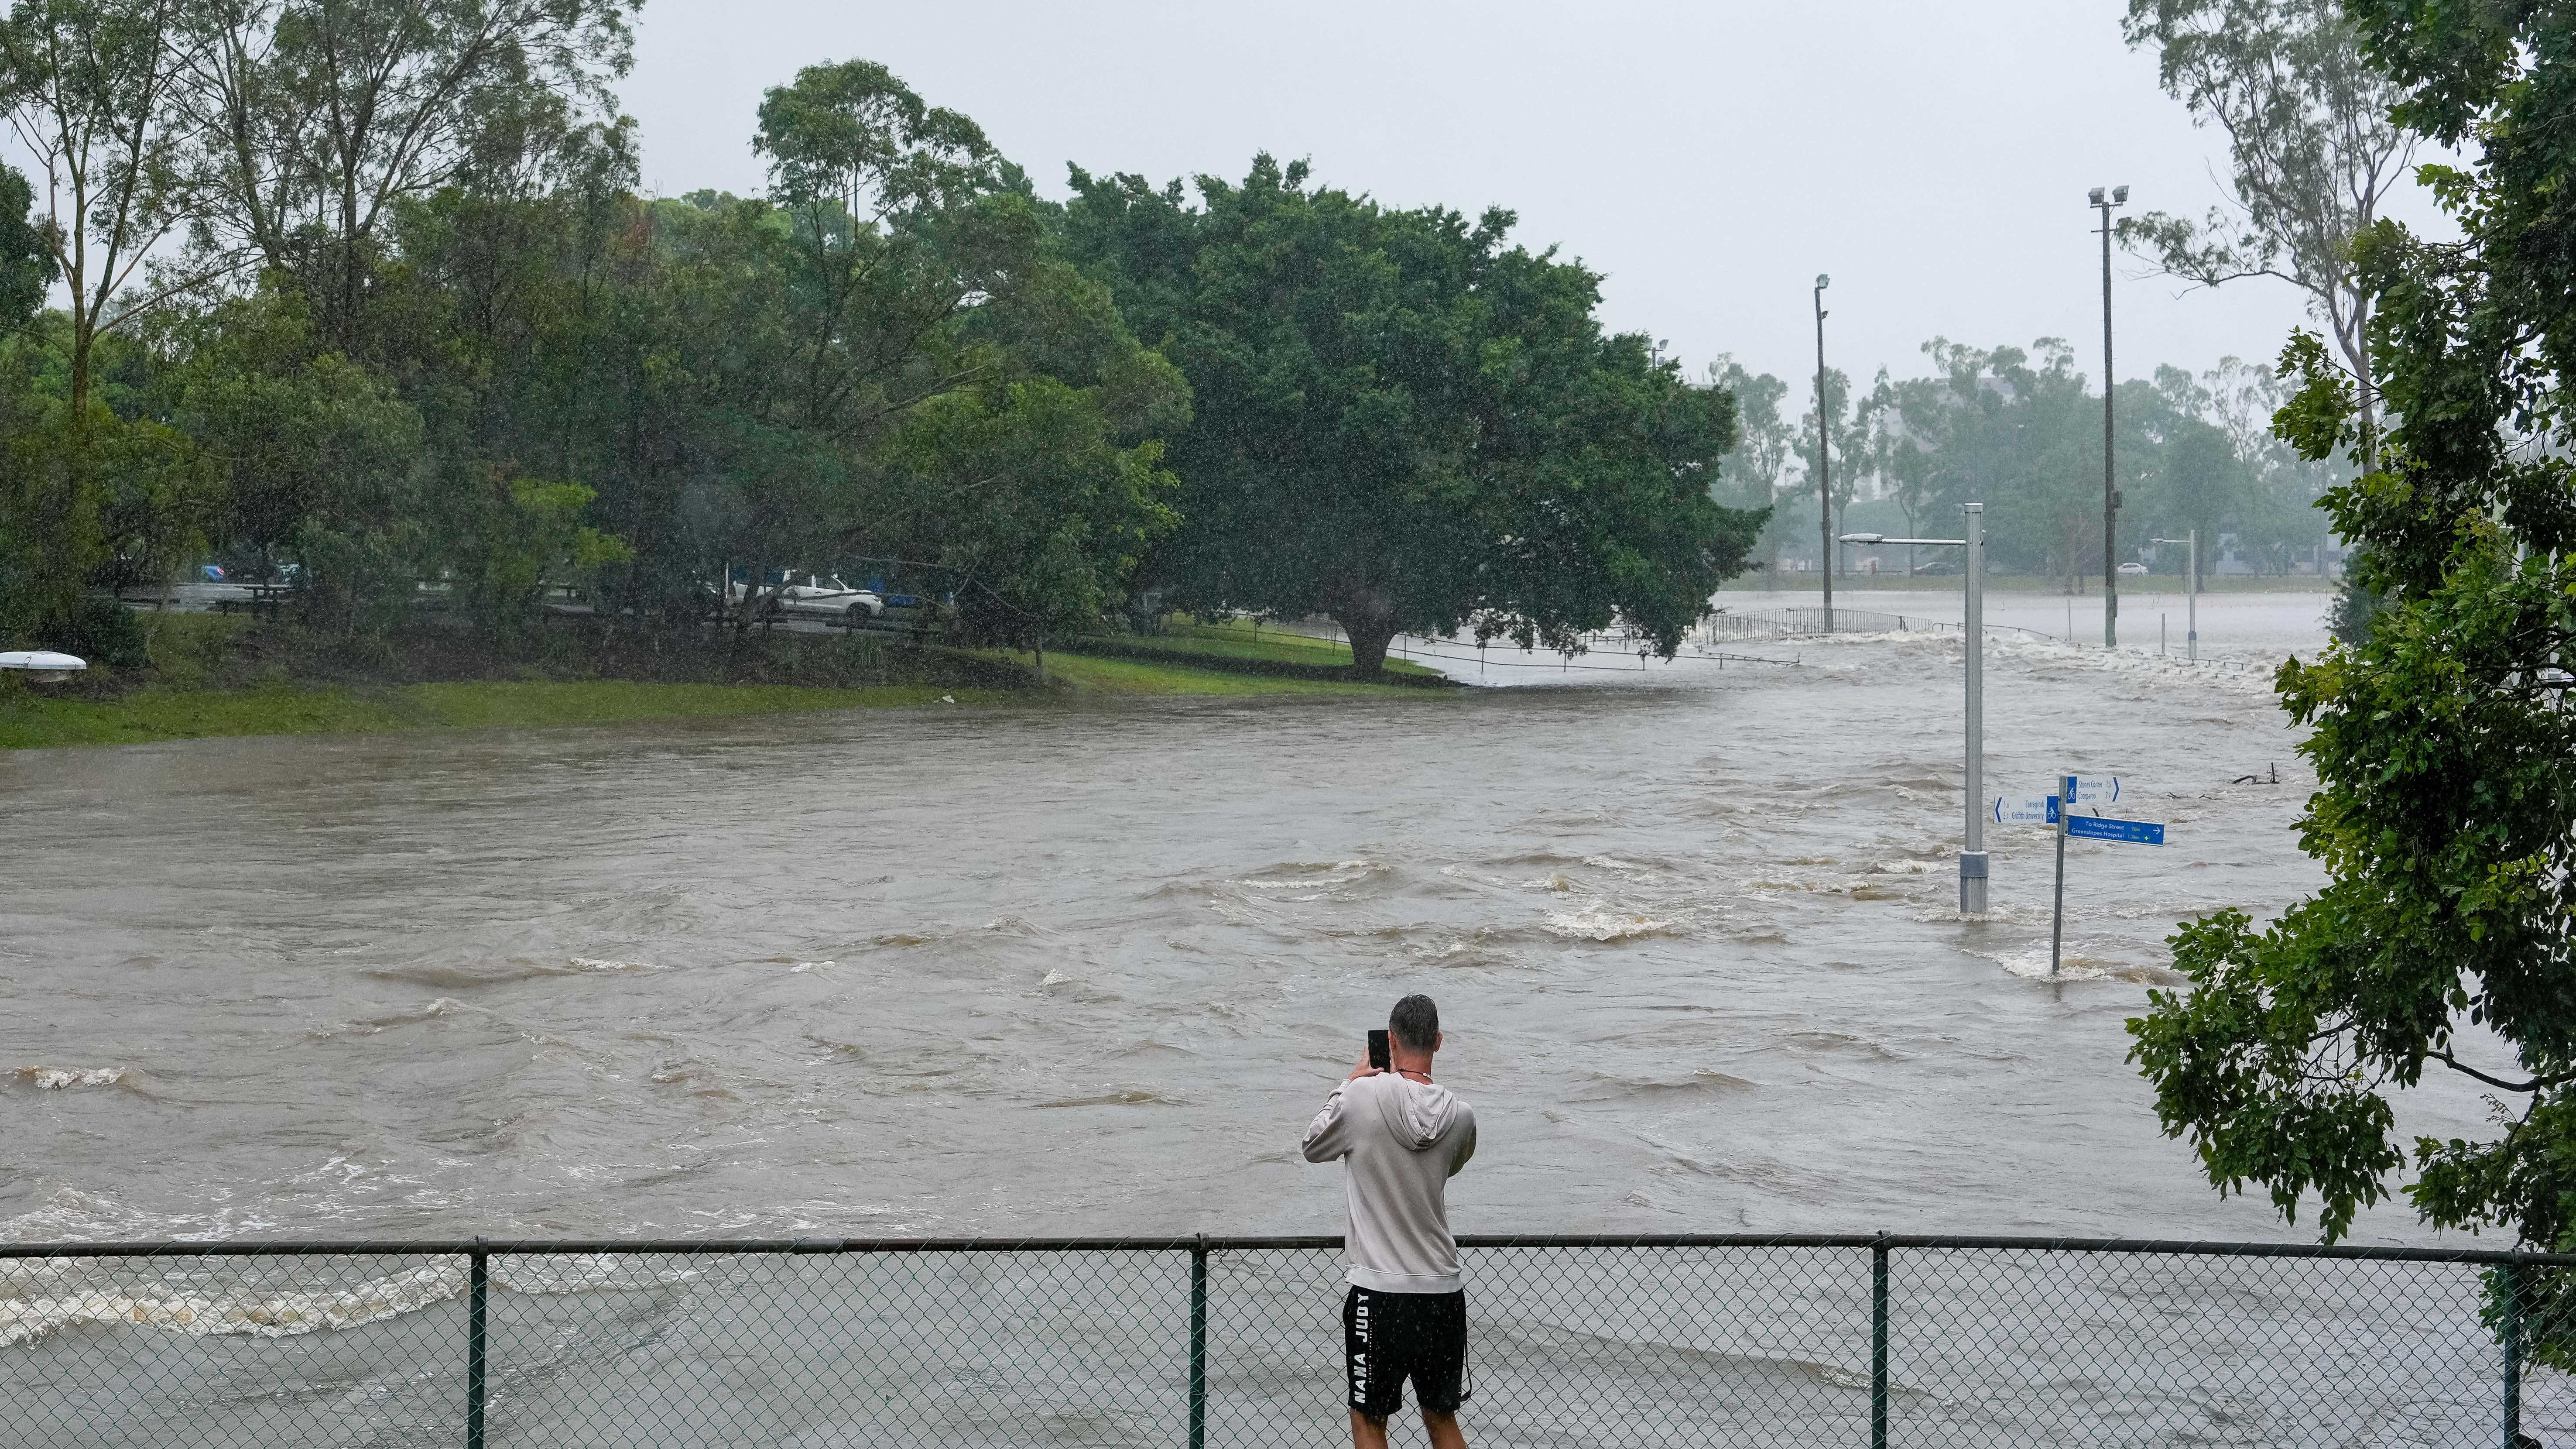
pixel 1861 538
pixel 2119 196
pixel 1823 281
pixel 2094 197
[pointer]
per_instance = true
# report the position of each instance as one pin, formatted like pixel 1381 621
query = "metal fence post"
pixel 1198 1343
pixel 478 1275
pixel 1878 1343
pixel 2509 1326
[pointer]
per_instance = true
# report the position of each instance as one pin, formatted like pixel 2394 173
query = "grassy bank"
pixel 1084 675
pixel 211 676
pixel 1267 643
pixel 31 721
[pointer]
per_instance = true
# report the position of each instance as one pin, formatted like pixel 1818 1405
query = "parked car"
pixel 816 597
pixel 2133 568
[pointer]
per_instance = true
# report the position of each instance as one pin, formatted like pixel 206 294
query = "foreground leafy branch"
pixel 2444 743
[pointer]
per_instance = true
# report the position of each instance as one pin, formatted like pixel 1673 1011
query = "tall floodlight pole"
pixel 2110 493
pixel 1824 479
pixel 1972 853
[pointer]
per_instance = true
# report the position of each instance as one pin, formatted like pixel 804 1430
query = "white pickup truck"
pixel 815 598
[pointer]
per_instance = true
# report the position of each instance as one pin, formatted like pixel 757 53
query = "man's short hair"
pixel 1416 1023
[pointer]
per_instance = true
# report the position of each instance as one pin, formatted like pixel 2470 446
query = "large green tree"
pixel 1407 424
pixel 2313 154
pixel 2017 431
pixel 879 360
pixel 86 88
pixel 2445 745
pixel 1760 470
pixel 308 124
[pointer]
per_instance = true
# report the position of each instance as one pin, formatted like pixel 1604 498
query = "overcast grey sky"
pixel 1710 158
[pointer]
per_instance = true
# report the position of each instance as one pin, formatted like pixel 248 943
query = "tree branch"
pixel 2534 1085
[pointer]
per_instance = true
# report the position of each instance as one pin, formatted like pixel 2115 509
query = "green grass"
pixel 30 719
pixel 1082 674
pixel 485 705
pixel 1241 640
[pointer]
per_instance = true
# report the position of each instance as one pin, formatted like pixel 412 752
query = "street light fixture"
pixel 1972 855
pixel 2191 592
pixel 1824 479
pixel 2110 493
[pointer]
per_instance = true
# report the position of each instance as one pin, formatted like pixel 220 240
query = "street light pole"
pixel 2110 493
pixel 1824 477
pixel 2191 593
pixel 1972 854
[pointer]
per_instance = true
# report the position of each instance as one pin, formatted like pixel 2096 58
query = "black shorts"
pixel 1390 1337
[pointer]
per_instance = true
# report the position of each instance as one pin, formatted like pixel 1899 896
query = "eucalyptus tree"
pixel 2312 150
pixel 899 219
pixel 2017 430
pixel 310 122
pixel 1845 438
pixel 2443 943
pixel 87 86
pixel 1757 471
pixel 1906 469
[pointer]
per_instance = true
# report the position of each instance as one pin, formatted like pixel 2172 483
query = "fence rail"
pixel 1597 1340
pixel 1798 621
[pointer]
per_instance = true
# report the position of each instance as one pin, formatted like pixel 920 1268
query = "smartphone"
pixel 1377 1052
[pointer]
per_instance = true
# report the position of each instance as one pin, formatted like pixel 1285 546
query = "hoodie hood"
pixel 1416 1112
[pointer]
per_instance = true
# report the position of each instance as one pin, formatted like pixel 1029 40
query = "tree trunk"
pixel 1368 621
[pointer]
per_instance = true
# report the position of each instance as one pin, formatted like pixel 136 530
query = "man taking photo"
pixel 1400 1138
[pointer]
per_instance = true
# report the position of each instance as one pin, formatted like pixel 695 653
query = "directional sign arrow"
pixel 2096 789
pixel 2128 832
pixel 2025 810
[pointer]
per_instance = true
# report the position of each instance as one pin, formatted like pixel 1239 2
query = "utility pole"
pixel 2110 492
pixel 1824 441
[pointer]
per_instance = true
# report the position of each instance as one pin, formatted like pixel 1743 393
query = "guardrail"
pixel 1647 1340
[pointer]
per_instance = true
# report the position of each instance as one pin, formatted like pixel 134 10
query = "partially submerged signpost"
pixel 2100 790
pixel 2052 810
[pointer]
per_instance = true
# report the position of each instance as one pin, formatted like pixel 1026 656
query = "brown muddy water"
pixel 1089 969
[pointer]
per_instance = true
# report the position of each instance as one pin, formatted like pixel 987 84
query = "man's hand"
pixel 1363 1070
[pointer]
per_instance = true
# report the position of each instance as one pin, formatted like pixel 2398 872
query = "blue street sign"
pixel 2128 832
pixel 2025 810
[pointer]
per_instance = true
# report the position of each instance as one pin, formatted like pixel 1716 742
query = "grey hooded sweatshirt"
pixel 1400 1142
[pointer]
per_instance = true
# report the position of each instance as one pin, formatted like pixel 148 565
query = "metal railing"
pixel 1795 621
pixel 1666 1340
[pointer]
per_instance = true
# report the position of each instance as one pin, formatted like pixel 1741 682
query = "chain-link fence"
pixel 847 1344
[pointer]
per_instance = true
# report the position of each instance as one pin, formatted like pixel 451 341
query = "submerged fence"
pixel 843 1343
pixel 1799 621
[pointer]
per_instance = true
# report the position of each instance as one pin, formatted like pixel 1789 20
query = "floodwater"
pixel 1090 969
